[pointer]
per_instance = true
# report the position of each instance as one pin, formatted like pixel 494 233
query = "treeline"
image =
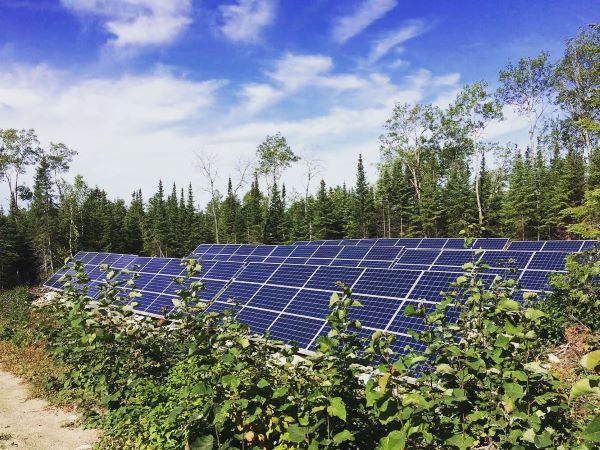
pixel 437 174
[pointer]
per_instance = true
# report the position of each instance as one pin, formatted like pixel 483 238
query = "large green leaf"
pixel 461 441
pixel 396 440
pixel 337 408
pixel 296 433
pixel 343 436
pixel 584 387
pixel 591 360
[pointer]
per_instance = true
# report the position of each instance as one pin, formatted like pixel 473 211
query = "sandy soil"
pixel 31 424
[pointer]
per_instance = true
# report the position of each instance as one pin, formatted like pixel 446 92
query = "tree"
pixel 230 216
pixel 274 222
pixel 361 224
pixel 578 84
pixel 274 155
pixel 472 111
pixel 133 224
pixel 323 222
pixel 587 216
pixel 43 215
pixel 206 164
pixel 528 87
pixel 59 158
pixel 155 229
pixel 18 150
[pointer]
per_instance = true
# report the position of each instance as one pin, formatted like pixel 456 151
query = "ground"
pixel 31 424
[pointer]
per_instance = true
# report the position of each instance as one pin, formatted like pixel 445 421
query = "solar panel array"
pixel 285 289
pixel 436 243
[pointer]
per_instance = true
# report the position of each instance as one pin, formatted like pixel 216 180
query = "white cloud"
pixel 244 20
pixel 364 15
pixel 132 130
pixel 137 22
pixel 382 46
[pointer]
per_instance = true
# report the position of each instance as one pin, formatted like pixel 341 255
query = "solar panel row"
pixel 436 243
pixel 289 300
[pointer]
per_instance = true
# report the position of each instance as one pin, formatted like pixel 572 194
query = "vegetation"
pixel 435 178
pixel 481 374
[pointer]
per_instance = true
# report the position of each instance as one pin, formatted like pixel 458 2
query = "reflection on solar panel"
pixel 285 290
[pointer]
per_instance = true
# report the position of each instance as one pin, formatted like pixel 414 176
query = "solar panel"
pixel 403 323
pixel 433 243
pixel 506 259
pixel 310 303
pixel 376 312
pixel 423 257
pixel 526 245
pixel 386 282
pixel 292 275
pixel 432 283
pixel 562 246
pixel 257 272
pixel 258 320
pixel 294 328
pixel 239 292
pixel 326 277
pixel 490 243
pixel 548 261
pixel 383 253
pixel 274 298
pixel 535 280
pixel 456 258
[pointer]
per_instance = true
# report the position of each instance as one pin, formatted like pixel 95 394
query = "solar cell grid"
pixel 263 250
pixel 456 258
pixel 436 243
pixel 292 275
pixel 548 261
pixel 490 243
pixel 376 312
pixel 303 252
pixel 409 242
pixel 297 329
pixel 386 282
pixel 282 250
pixel 239 292
pixel 383 253
pixel 353 253
pixel 310 303
pixel 526 245
pixel 375 264
pixel 432 283
pixel 326 252
pixel 403 323
pixel 272 297
pixel 223 270
pixel 535 280
pixel 455 243
pixel 256 272
pixel 507 259
pixel 563 246
pixel 258 320
pixel 326 277
pixel 423 257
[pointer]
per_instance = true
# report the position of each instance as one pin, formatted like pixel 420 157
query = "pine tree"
pixel 253 213
pixel 155 229
pixel 361 223
pixel 323 221
pixel 44 219
pixel 274 223
pixel 9 256
pixel 133 224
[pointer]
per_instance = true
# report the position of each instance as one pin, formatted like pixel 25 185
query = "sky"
pixel 140 88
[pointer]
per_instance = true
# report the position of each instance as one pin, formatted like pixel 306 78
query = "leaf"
pixel 513 391
pixel 343 436
pixel 591 360
pixel 262 383
pixel 296 433
pixel 203 443
pixel 592 432
pixel 583 387
pixel 534 314
pixel 396 440
pixel 337 408
pixel 333 299
pixel 508 305
pixel 461 441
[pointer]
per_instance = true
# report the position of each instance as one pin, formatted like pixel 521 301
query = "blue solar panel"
pixel 350 242
pixel 369 242
pixel 258 320
pixel 376 312
pixel 255 258
pixel 310 303
pixel 158 283
pixel 386 282
pixel 455 243
pixel 282 250
pixel 263 250
pixel 303 252
pixel 403 323
pixel 404 344
pixel 589 245
pixel 346 262
pixel 223 270
pixel 562 246
pixel 423 257
pixel 298 329
pixel 353 253
pixel 432 283
pixel 548 261
pixel 526 245
pixel 211 289
pixel 326 277
pixel 456 258
pixel 435 243
pixel 409 242
pixel 327 252
pixel 239 292
pixel 162 305
pixel 272 297
pixel 490 243
pixel 375 264
pixel 535 280
pixel 245 249
pixel 173 267
pixel 507 259
pixel 383 253
pixel 387 242
pixel 292 275
pixel 256 272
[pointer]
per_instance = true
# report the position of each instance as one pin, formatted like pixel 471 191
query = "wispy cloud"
pixel 135 23
pixel 244 20
pixel 364 15
pixel 382 46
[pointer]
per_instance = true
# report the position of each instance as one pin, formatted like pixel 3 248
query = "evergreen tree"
pixel 274 223
pixel 323 220
pixel 44 219
pixel 155 228
pixel 133 224
pixel 253 213
pixel 361 222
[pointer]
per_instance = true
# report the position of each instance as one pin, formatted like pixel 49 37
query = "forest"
pixel 437 174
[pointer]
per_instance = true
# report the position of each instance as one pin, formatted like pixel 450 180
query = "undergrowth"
pixel 492 372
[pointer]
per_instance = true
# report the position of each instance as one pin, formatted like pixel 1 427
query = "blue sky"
pixel 139 87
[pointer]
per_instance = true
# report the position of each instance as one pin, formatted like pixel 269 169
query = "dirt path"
pixel 31 424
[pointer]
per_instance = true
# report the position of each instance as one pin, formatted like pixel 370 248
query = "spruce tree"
pixel 274 222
